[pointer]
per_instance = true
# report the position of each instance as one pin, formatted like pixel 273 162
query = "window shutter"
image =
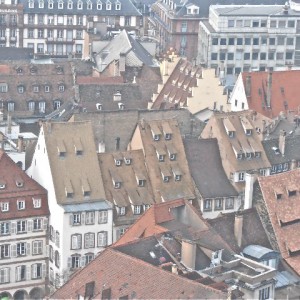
pixel 71 219
pixel 45 224
pixel 34 270
pixel 13 250
pixel 18 271
pixel 69 262
pixel 82 261
pixel 86 240
pixel 82 218
pixel 79 240
pixel 29 225
pixel 13 227
pixel 105 239
pixel 47 250
pixel 28 271
pixel 43 270
pixel 118 233
pixel 27 248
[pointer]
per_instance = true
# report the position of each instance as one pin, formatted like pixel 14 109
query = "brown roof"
pixel 131 169
pixel 284 90
pixel 158 168
pixel 122 275
pixel 51 75
pixel 73 161
pixel 219 126
pixel 19 186
pixel 98 80
pixel 178 86
pixel 281 194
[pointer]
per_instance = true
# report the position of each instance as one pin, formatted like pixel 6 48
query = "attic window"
pixel 108 5
pixel 117 96
pixel 240 156
pixel 117 185
pixel 69 195
pixel 33 70
pixel 19 71
pixel 161 157
pixel 141 182
pixel 2 186
pixel 292 192
pixel 121 106
pixel 118 162
pixel 231 134
pixel 59 70
pixel 127 161
pixel 177 177
pixel 248 131
pixel 276 150
pixel 278 196
pixel 156 137
pixel 168 136
pixel 19 183
pixel 118 5
pixel 172 156
pixel 98 106
pixel 257 154
pixel 61 150
pixel 166 178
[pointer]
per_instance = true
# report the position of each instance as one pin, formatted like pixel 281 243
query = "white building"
pixel 23 234
pixel 250 37
pixel 65 162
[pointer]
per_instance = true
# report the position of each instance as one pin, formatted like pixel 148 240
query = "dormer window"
pixel 61 87
pixel 166 178
pixel 168 136
pixel 118 162
pixel 121 106
pixel 21 204
pixel 89 5
pixel 2 186
pixel 31 4
pixel 292 191
pixel 79 5
pixel 278 196
pixel 118 5
pixel 41 4
pixel 156 137
pixel 99 5
pixel 117 185
pixel 231 134
pixel 33 70
pixel 19 71
pixel 177 177
pixel 37 202
pixel 60 4
pixel 161 157
pixel 257 154
pixel 172 156
pixel 59 70
pixel 248 155
pixel 127 161
pixel 121 211
pixel 248 131
pixel 50 4
pixel 141 182
pixel 137 209
pixel 21 89
pixel 3 87
pixel 98 106
pixel 70 5
pixel 146 206
pixel 35 88
pixel 19 183
pixel 108 5
pixel 240 156
pixel 61 151
pixel 117 96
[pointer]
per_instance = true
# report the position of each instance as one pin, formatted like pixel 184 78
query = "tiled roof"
pixel 221 125
pixel 13 53
pixel 17 185
pixel 81 80
pixel 127 8
pixel 253 231
pixel 124 275
pixel 95 94
pixel 166 156
pixel 206 167
pixel 109 125
pixel 131 169
pixel 24 74
pixel 73 162
pixel 284 91
pixel 178 86
pixel 292 146
pixel 281 196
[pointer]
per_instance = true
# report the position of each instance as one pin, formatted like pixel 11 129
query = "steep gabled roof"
pixel 73 161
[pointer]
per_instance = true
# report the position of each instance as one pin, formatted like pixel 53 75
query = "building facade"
pixel 23 234
pixel 250 37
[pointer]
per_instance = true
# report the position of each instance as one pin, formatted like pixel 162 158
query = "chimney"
pixel 249 182
pixel 269 89
pixel 122 62
pixel 293 164
pixel 238 228
pixel 20 143
pixel 9 124
pixel 174 269
pixel 101 147
pixel 282 136
pixel 117 143
pixel 188 254
pixel 248 86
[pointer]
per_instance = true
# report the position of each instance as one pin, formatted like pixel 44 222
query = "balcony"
pixel 51 40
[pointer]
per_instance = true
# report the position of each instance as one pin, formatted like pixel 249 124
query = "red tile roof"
pixel 126 275
pixel 9 174
pixel 285 91
pixel 284 213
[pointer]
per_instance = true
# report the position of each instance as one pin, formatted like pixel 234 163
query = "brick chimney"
pixel 238 228
pixel 188 254
pixel 281 145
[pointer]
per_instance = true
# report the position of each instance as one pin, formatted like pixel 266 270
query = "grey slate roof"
pixel 101 205
pixel 292 150
pixel 13 53
pixel 127 8
pixel 206 168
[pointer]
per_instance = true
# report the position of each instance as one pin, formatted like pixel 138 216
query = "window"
pixel 4 206
pixel 255 23
pixel 21 89
pixel 214 56
pixel 271 55
pixel 290 41
pixel 70 5
pixel 223 41
pixel 207 205
pixel 31 4
pixel 279 55
pixel 230 56
pixel 281 40
pixel 79 34
pixel 37 224
pixel 42 107
pixel 291 24
pixel 177 177
pixel 36 271
pixel 21 249
pixel 61 87
pixel 121 210
pixel 20 273
pixel 89 5
pixel 4 228
pixel 4 275
pixel 289 55
pixel 57 239
pixel 255 41
pixel 37 247
pixel 76 219
pixel 50 4
pixel 3 88
pixel 264 41
pixel 241 176
pixel 156 137
pixel 102 216
pixel 88 258
pixel 57 259
pixel 229 203
pixel 20 204
pixel 79 19
pixel 255 55
pixel 230 23
pixel 5 251
pixel 40 48
pixel 47 88
pixel 218 204
pixel 141 182
pixel 60 4
pixel 281 24
pixel 36 202
pixel 273 24
pixel 78 48
pixel 89 218
pixel 263 56
pixel 102 239
pixel 161 157
pixel 239 41
pixel 75 241
pixel 231 41
pixel 215 41
pixel 30 33
pixel 248 41
pixel 21 226
pixel 79 5
pixel 246 56
pixel 137 209
pixel 264 293
pixel 99 5
pixel 89 240
pixel 108 5
pixel 75 261
pixel 51 253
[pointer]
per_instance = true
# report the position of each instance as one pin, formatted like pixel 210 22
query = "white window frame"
pixel 79 5
pixel 122 211
pixel 205 206
pixel 37 247
pixel 21 226
pixel 76 241
pixel 90 218
pixel 37 224
pixel 4 206
pixel 102 216
pixel 5 275
pixel 108 5
pixel 35 269
pixel 5 251
pixel 19 271
pixel 37 202
pixel 137 209
pixel 102 239
pixel 21 204
pixel 4 228
pixel 89 240
pixel 22 249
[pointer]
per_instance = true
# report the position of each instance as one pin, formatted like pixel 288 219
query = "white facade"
pixel 23 253
pixel 68 245
pixel 238 100
pixel 249 38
